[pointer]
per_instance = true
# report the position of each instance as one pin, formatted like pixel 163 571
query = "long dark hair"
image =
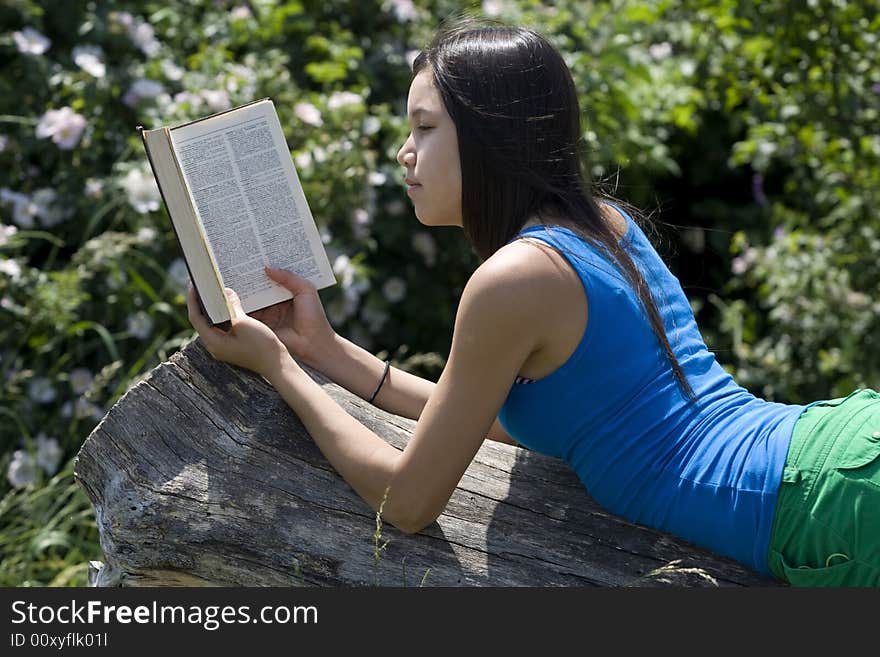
pixel 516 112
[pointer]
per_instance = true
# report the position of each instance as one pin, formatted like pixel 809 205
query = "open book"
pixel 236 204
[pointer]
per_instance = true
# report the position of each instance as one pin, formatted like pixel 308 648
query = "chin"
pixel 434 221
pixel 427 220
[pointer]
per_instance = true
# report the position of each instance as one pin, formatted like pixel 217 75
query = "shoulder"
pixel 521 283
pixel 524 272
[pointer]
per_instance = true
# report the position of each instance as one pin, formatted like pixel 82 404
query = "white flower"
pixel 4 142
pixel 411 57
pixel 91 60
pixel 241 78
pixel 140 89
pixel 23 211
pixel 181 98
pixel 94 187
pixel 171 70
pixel 31 42
pixel 6 232
pixel 371 125
pixel 178 273
pixel 493 7
pixel 361 220
pixel 49 453
pixel 144 37
pixel 360 216
pixel 660 51
pixel 308 113
pixel 858 299
pixel 343 269
pixel 217 100
pixel 140 325
pixel 146 234
pixel 240 13
pixel 80 380
pixel 45 207
pixel 22 469
pixel 123 18
pixel 40 390
pixel 342 98
pixel 10 268
pixel 424 244
pixel 141 189
pixel 302 161
pixel 64 126
pixel 394 289
pixel 404 10
pixel 319 154
pixel 377 178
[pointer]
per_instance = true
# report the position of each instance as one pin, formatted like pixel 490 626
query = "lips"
pixel 411 183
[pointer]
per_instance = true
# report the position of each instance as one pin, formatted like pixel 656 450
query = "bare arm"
pixel 405 394
pixel 492 338
pixel 412 486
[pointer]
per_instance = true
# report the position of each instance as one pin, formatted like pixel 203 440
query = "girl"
pixel 572 338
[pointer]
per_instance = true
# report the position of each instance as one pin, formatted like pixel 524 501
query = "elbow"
pixel 411 528
pixel 414 522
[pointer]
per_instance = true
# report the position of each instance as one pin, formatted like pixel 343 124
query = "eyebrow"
pixel 419 110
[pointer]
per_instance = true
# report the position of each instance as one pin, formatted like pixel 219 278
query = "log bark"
pixel 201 475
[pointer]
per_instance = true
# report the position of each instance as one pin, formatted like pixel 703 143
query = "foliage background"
pixel 747 133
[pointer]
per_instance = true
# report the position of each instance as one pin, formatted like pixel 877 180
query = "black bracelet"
pixel 382 380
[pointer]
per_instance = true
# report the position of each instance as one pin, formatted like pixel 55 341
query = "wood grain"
pixel 202 475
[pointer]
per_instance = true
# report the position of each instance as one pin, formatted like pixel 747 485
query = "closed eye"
pixel 424 128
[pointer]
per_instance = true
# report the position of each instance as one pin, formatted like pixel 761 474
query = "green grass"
pixel 48 534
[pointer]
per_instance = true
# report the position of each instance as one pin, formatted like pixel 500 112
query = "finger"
pixel 209 334
pixel 194 312
pixel 235 302
pixel 290 280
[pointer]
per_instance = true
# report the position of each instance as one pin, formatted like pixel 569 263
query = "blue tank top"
pixel 706 471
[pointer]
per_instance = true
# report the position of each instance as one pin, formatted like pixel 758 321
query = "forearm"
pixel 361 457
pixel 405 394
pixel 359 372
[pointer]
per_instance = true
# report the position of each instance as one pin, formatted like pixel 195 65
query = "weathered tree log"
pixel 202 475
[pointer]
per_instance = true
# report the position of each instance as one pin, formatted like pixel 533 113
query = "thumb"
pixel 234 301
pixel 289 280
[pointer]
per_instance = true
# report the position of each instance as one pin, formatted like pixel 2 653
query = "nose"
pixel 406 156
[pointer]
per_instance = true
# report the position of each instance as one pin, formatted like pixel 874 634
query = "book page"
pixel 250 202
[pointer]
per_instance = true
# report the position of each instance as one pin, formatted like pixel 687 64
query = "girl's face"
pixel 430 156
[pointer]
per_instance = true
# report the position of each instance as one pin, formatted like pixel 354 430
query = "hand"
pixel 249 343
pixel 300 323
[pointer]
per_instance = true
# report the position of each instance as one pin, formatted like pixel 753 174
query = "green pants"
pixel 826 531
